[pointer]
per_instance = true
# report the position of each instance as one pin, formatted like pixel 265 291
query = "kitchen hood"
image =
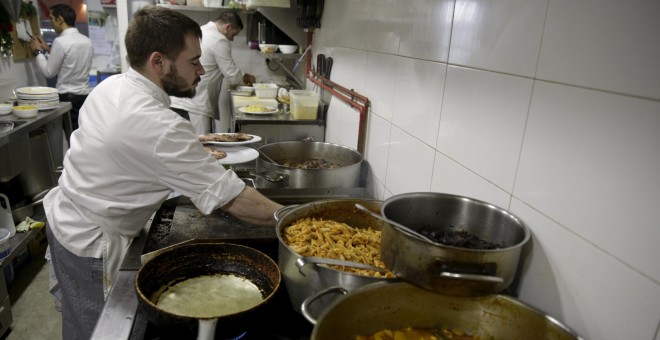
pixel 285 20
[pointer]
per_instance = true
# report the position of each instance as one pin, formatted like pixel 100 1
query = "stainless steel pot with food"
pixel 474 249
pixel 394 306
pixel 300 164
pixel 304 281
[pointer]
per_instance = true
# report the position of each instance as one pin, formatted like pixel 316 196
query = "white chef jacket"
pixel 218 64
pixel 130 152
pixel 70 59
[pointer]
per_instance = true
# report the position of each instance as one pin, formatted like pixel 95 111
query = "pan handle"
pixel 272 176
pixel 206 329
pixel 283 211
pixel 472 277
pixel 304 308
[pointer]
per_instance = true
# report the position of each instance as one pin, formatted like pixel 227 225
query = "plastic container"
pixel 6 218
pixel 5 246
pixel 265 91
pixel 304 104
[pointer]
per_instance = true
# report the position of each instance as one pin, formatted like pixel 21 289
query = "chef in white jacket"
pixel 130 152
pixel 219 67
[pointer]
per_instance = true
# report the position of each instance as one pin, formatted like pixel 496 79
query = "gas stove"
pixel 179 221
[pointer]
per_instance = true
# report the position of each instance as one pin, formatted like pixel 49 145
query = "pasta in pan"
pixel 336 240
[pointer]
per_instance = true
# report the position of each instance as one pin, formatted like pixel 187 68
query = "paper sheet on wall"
pixel 97 34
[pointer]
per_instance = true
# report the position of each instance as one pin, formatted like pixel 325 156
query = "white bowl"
pixel 5 109
pixel 268 48
pixel 249 89
pixel 25 111
pixel 288 49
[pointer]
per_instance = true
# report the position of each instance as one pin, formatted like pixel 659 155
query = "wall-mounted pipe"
pixel 350 97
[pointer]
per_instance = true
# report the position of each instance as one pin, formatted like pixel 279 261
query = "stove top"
pixel 177 221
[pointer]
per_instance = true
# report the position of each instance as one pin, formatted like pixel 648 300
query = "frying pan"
pixel 189 261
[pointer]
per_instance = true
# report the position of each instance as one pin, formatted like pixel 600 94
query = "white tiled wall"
pixel 548 108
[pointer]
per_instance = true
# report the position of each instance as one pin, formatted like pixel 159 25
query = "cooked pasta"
pixel 336 240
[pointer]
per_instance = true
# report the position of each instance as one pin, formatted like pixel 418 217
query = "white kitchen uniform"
pixel 130 152
pixel 70 59
pixel 218 64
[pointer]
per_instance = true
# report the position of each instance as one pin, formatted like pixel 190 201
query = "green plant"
pixel 27 10
pixel 6 27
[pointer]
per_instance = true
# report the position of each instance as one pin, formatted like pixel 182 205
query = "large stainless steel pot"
pixel 447 269
pixel 304 282
pixel 199 259
pixel 275 175
pixel 379 306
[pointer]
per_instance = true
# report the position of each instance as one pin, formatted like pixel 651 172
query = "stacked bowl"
pixel 44 98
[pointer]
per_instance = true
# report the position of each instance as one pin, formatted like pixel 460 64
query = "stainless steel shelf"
pixel 181 8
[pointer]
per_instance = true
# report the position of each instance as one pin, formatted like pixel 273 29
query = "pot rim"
pixel 398 226
pixel 355 293
pixel 279 229
pixel 277 165
pixel 147 300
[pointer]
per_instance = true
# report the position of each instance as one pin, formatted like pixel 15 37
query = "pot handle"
pixel 272 176
pixel 472 277
pixel 304 308
pixel 206 329
pixel 283 211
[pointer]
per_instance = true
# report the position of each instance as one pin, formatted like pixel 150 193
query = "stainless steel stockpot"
pixel 274 175
pixel 448 269
pixel 304 282
pixel 397 305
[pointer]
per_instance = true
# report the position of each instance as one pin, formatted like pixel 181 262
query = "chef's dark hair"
pixel 157 29
pixel 66 12
pixel 230 17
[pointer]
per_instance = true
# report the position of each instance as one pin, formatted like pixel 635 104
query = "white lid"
pixel 4 234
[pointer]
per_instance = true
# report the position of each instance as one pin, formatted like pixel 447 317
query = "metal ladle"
pixel 305 260
pixel 395 225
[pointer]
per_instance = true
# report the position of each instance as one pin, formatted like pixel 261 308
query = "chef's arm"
pixel 253 207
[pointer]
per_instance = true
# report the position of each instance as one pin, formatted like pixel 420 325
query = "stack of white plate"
pixel 44 98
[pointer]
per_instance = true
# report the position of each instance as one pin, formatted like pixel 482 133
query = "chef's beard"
pixel 174 85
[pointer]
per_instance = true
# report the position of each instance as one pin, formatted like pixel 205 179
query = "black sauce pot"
pixel 200 259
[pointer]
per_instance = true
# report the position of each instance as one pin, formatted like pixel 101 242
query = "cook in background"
pixel 130 152
pixel 218 64
pixel 70 58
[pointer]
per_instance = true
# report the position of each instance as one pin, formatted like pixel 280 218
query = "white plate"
pixel 270 111
pixel 38 97
pixel 253 140
pixel 32 90
pixel 46 105
pixel 237 154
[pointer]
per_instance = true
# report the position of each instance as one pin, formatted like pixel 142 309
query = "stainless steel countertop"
pixel 25 125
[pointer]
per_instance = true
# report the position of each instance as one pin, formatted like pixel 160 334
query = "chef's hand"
pixel 249 79
pixel 253 207
pixel 38 43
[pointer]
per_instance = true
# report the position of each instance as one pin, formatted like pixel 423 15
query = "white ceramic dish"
pixel 5 109
pixel 268 48
pixel 36 90
pixel 40 104
pixel 253 140
pixel 26 111
pixel 269 110
pixel 288 49
pixel 236 154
